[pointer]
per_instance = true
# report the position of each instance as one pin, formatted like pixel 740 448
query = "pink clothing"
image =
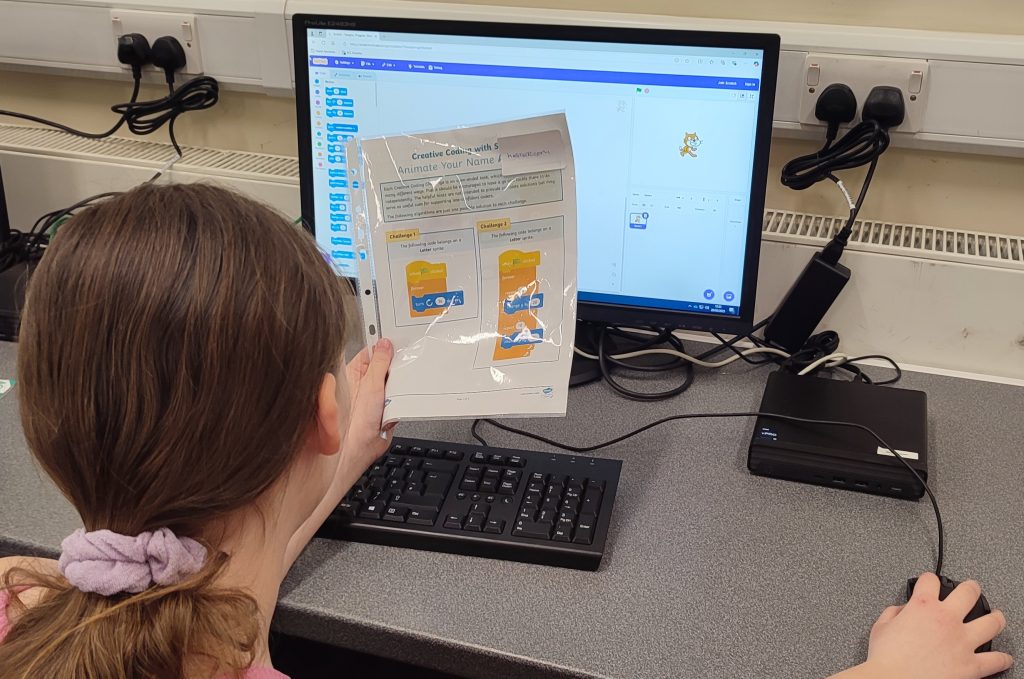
pixel 251 673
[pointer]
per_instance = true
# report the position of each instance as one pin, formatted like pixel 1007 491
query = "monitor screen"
pixel 669 131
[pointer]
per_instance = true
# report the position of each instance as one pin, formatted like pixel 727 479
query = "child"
pixel 181 381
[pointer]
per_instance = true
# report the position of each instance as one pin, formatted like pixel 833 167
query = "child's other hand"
pixel 367 376
pixel 928 638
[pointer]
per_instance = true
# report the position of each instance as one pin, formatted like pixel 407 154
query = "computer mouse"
pixel 946 586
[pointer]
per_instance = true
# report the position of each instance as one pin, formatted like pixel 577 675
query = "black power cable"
pixel 773 416
pixel 606 361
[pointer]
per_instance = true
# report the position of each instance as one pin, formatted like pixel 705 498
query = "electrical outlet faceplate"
pixel 154 25
pixel 862 74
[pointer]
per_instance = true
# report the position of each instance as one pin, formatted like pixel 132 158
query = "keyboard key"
pixel 492 473
pixel 461 496
pixel 453 455
pixel 479 508
pixel 535 487
pixel 430 502
pixel 453 521
pixel 576 483
pixel 595 483
pixel 570 505
pixel 377 470
pixel 496 459
pixel 478 457
pixel 469 484
pixel 475 522
pixel 538 477
pixel 488 486
pixel 550 503
pixel 348 507
pixel 556 480
pixel 476 497
pixel 516 461
pixel 507 488
pixel 591 501
pixel 507 500
pixel 396 514
pixel 435 453
pixel 585 529
pixel 563 531
pixel 396 485
pixel 532 498
pixel 567 515
pixel 527 529
pixel 362 495
pixel 496 526
pixel 439 466
pixel 398 449
pixel 489 498
pixel 421 517
pixel 411 463
pixel 417 451
pixel 374 510
pixel 513 475
pixel 546 516
pixel 378 483
pixel 526 514
pixel 393 461
pixel 413 489
pixel 474 470
pixel 397 473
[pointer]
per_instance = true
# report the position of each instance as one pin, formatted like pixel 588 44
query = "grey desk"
pixel 709 572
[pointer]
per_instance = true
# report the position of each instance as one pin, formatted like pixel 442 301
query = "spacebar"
pixel 432 502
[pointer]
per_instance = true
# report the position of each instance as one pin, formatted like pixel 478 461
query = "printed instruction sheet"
pixel 467 256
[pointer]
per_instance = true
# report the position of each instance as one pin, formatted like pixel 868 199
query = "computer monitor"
pixel 670 131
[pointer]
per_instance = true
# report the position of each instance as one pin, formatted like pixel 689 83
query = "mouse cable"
pixel 771 416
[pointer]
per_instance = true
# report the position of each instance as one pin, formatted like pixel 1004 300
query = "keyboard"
pixel 475 500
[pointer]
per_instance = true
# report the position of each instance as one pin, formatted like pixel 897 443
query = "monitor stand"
pixel 584 371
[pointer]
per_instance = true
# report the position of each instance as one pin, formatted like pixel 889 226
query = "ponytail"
pixel 181 631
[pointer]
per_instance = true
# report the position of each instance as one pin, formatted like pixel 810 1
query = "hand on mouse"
pixel 928 638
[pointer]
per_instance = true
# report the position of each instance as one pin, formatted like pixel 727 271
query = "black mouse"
pixel 946 586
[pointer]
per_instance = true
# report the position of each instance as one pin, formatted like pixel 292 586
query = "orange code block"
pixel 517 276
pixel 426 281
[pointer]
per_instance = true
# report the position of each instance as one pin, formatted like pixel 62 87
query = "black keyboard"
pixel 464 499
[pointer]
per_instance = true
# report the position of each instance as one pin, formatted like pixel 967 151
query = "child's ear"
pixel 326 434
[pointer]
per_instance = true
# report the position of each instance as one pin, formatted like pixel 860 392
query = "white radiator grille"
pixel 926 242
pixel 199 160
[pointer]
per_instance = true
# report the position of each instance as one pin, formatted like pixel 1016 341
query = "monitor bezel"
pixel 600 312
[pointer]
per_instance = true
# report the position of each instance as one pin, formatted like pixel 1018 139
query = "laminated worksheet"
pixel 467 260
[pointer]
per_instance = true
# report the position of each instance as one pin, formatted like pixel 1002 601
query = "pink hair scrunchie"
pixel 108 563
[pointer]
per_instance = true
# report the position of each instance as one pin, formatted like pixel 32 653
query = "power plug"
pixel 169 55
pixel 133 50
pixel 837 104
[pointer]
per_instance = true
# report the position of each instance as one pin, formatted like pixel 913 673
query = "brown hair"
pixel 171 353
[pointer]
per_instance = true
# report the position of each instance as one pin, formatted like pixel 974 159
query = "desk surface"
pixel 709 571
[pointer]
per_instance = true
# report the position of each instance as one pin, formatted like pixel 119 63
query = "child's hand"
pixel 928 638
pixel 367 376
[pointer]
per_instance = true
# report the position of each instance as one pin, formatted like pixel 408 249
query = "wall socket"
pixel 154 25
pixel 862 74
